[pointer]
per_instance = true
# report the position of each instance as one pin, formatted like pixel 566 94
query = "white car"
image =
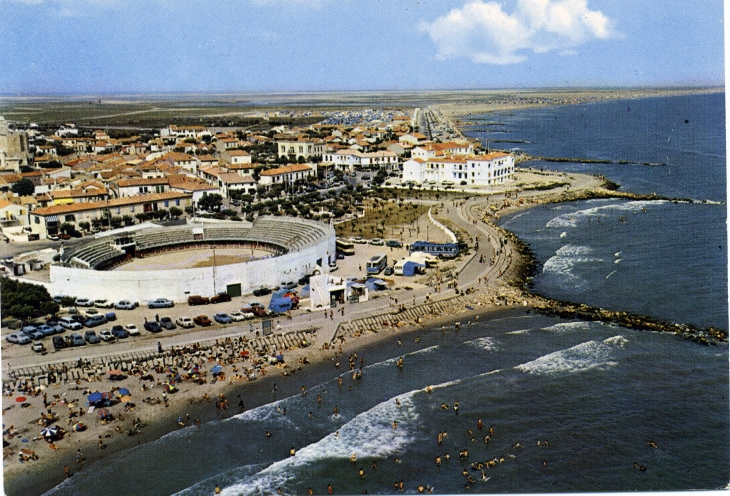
pixel 19 338
pixel 186 322
pixel 106 335
pixel 84 302
pixel 132 329
pixel 126 305
pixel 38 347
pixel 239 316
pixel 377 242
pixel 103 304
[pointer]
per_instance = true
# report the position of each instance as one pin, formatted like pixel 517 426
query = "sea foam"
pixel 369 434
pixel 579 358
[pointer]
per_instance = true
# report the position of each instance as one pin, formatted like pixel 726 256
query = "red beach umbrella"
pixel 21 399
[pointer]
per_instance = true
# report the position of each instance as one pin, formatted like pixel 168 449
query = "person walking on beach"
pixel 159 347
pixel 66 471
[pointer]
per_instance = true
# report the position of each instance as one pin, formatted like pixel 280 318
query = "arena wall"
pixel 177 285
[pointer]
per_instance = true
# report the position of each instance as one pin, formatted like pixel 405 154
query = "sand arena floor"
pixel 189 259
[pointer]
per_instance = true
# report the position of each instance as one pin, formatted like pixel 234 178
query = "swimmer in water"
pixel 353 458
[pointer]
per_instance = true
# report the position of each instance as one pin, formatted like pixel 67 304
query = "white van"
pixel 69 323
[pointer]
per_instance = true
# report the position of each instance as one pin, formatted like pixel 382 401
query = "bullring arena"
pixel 202 257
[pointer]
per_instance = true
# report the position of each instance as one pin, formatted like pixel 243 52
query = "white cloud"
pixel 485 33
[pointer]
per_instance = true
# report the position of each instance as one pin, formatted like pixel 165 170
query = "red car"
pixel 202 320
pixel 220 298
pixel 198 300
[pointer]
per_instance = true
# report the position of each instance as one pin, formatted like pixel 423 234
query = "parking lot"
pixel 350 266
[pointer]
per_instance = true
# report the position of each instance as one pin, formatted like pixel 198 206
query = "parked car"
pixel 32 333
pixel 359 240
pixel 185 322
pixel 167 323
pixel 255 308
pixel 220 298
pixel 389 270
pixel 91 337
pixel 393 243
pixel 333 266
pixel 76 340
pixel 202 320
pixel 95 320
pixel 261 291
pixel 222 318
pixel 59 342
pixel 377 242
pixel 152 326
pixel 110 316
pixel 239 316
pixel 161 303
pixel 103 304
pixel 289 285
pixel 18 338
pixel 80 318
pixel 91 311
pixel 106 335
pixel 46 330
pixel 119 332
pixel 132 329
pixel 84 302
pixel 198 300
pixel 38 347
pixel 126 305
pixel 69 323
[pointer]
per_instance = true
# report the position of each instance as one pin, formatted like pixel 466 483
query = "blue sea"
pixel 573 406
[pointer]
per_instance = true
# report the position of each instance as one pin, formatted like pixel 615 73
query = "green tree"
pixel 85 226
pixel 128 220
pixel 67 228
pixel 175 211
pixel 211 202
pixel 68 301
pixel 116 222
pixel 24 300
pixel 23 187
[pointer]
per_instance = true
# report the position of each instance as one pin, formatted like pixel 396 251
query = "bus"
pixel 441 250
pixel 345 246
pixel 377 263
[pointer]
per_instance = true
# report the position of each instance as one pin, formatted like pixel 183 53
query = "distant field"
pixel 222 110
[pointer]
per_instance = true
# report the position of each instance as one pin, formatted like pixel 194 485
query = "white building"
pixel 352 159
pixel 301 148
pixel 477 170
pixel 432 150
pixel 287 174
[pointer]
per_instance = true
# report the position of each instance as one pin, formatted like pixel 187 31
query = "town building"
pixel 287 174
pixel 48 220
pixel 477 170
pixel 304 148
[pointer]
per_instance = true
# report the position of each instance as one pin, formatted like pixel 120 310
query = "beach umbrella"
pixel 126 398
pixel 49 431
pixel 123 391
pixel 280 358
pixel 79 426
pixel 94 397
pixel 107 396
pixel 217 368
pixel 244 353
pixel 115 372
pixel 103 413
pixel 20 399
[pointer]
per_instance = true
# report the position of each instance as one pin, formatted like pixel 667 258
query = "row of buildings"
pixel 106 177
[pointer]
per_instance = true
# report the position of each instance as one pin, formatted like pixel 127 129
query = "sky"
pixel 159 46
